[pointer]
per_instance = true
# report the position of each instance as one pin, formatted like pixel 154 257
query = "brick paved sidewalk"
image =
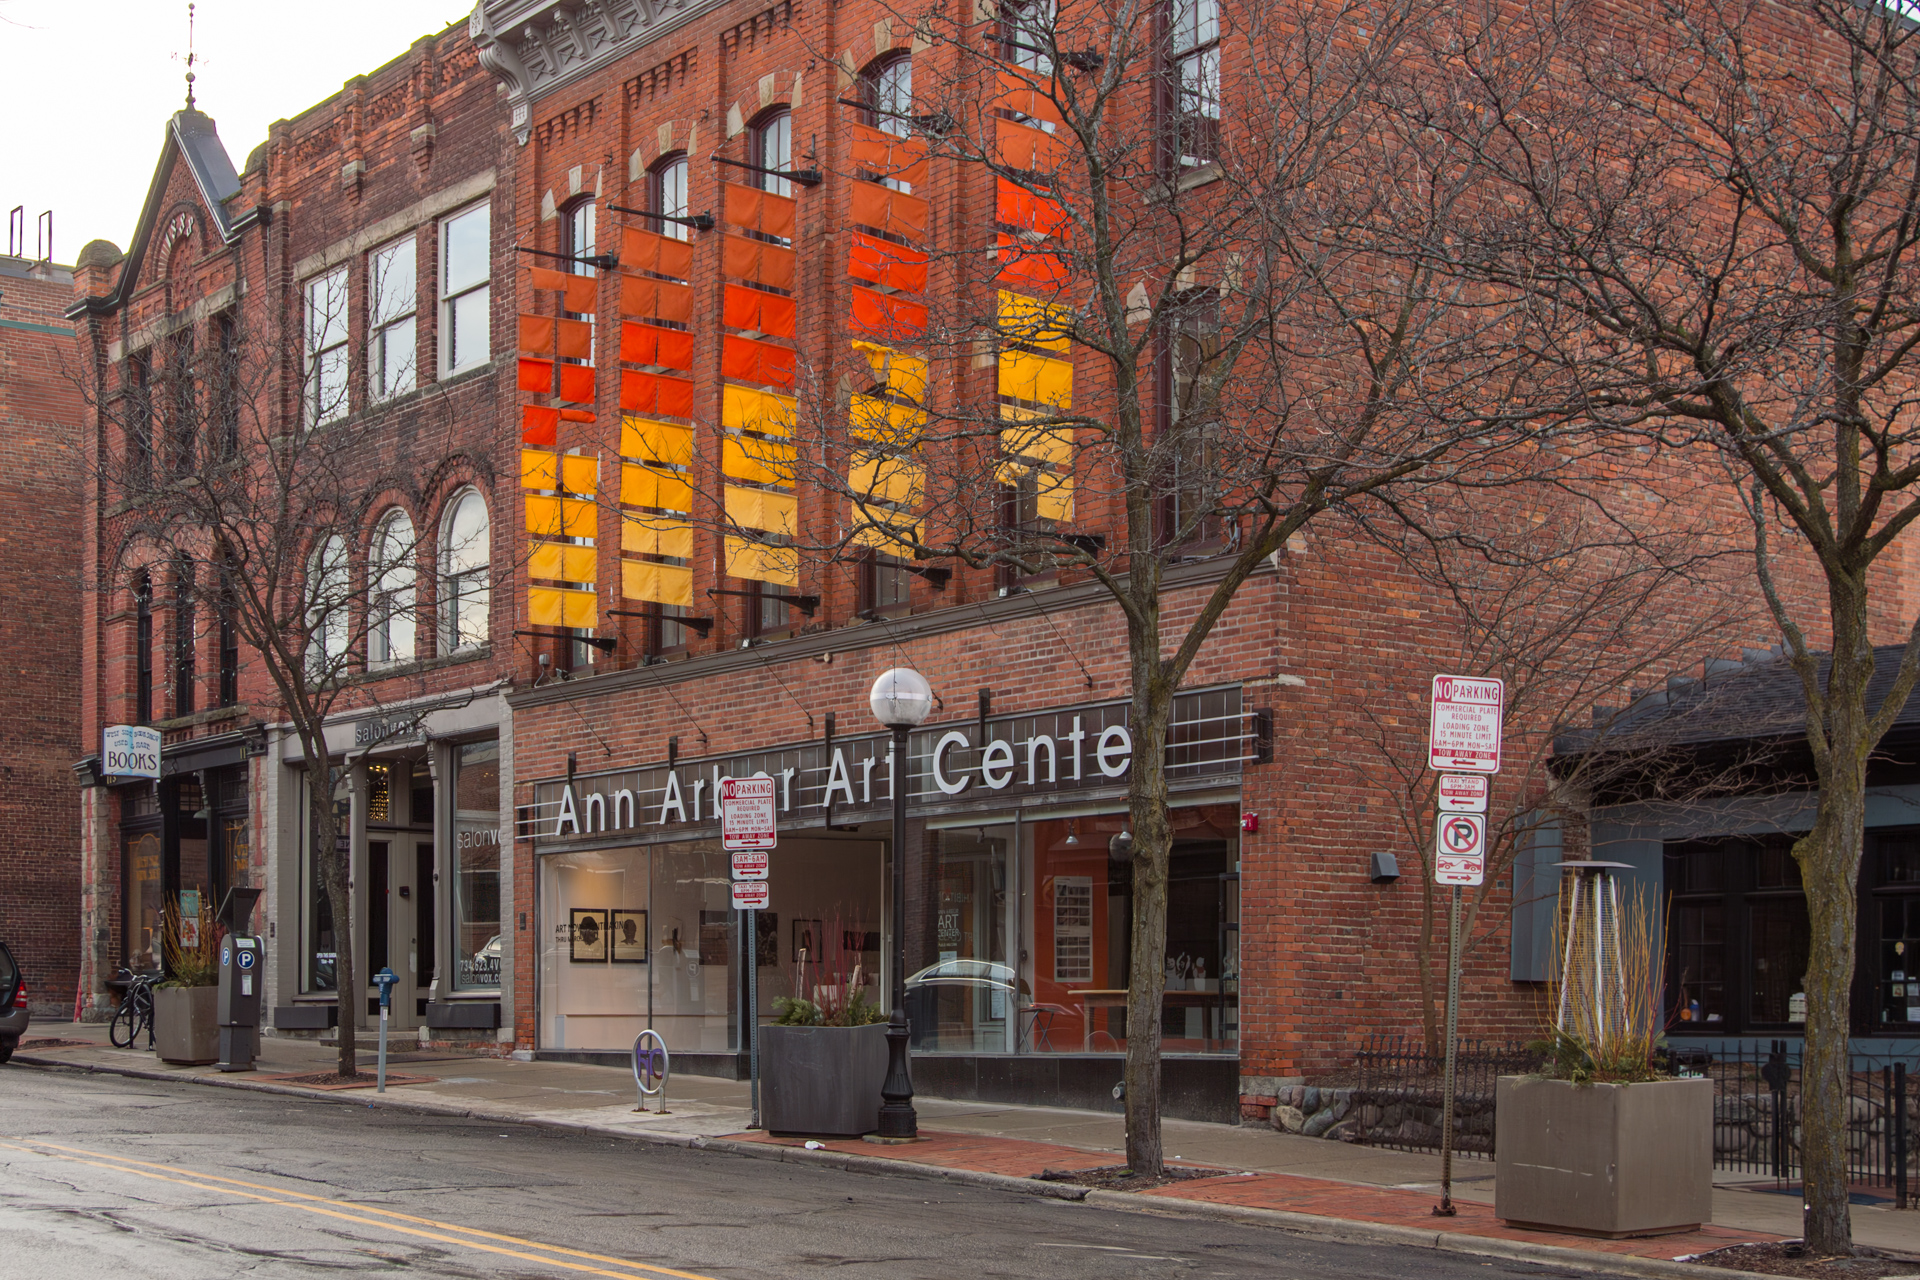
pixel 1287 1193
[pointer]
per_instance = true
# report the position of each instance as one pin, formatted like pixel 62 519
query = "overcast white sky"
pixel 87 86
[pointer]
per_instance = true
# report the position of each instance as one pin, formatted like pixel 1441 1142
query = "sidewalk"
pixel 1304 1184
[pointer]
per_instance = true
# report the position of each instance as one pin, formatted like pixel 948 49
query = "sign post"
pixel 1464 737
pixel 747 831
pixel 385 978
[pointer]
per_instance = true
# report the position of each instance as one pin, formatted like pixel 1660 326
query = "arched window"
pixel 465 549
pixel 329 588
pixel 1027 31
pixel 186 667
pixel 887 88
pixel 669 195
pixel 773 149
pixel 391 572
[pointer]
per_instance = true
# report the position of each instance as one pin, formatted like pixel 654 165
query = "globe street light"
pixel 901 700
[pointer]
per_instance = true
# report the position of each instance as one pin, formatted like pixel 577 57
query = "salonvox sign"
pixel 850 779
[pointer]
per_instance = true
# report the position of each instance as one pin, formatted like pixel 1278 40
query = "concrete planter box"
pixel 1606 1159
pixel 186 1024
pixel 822 1080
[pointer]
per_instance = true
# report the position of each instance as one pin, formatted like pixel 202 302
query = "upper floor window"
pixel 392 298
pixel 577 240
pixel 229 639
pixel 1026 31
pixel 464 554
pixel 1194 88
pixel 390 629
pixel 186 667
pixel 669 183
pixel 183 406
pixel 329 588
pixel 138 416
pixel 326 391
pixel 773 149
pixel 466 242
pixel 887 89
pixel 143 650
pixel 223 386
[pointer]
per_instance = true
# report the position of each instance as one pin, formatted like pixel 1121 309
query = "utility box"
pixel 242 976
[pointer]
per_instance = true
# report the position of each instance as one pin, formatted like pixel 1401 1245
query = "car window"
pixel 9 976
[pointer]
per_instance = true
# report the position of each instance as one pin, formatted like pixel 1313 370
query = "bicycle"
pixel 135 1013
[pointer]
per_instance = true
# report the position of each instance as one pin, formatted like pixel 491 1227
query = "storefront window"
pixel 961 1000
pixel 1897 908
pixel 695 1006
pixel 1737 948
pixel 593 946
pixel 143 890
pixel 476 898
pixel 321 949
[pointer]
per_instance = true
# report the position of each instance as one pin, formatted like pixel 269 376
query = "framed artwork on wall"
pixel 587 935
pixel 628 932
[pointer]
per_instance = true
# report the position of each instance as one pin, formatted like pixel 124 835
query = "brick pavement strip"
pixel 1340 1211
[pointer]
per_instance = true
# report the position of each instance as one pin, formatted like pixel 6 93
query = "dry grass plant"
pixel 839 995
pixel 1606 994
pixel 191 962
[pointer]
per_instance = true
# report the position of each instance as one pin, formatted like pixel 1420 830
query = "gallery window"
pixel 476 887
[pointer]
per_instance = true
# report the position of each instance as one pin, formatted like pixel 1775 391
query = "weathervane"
pixel 190 57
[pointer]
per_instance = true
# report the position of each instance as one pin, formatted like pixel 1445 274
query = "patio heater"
pixel 1593 978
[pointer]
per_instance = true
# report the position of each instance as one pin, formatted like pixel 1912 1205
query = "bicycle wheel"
pixel 143 1015
pixel 121 1029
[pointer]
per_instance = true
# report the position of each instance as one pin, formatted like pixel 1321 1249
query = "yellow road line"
pixel 327 1207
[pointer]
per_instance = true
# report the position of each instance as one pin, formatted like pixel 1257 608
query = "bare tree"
pixel 1170 336
pixel 1717 210
pixel 238 471
pixel 1573 609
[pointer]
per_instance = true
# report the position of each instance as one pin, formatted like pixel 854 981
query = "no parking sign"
pixel 1460 853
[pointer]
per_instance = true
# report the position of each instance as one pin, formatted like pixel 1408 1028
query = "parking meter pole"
pixel 386 979
pixel 753 1009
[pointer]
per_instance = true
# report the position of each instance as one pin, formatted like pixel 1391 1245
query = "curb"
pixel 1314 1226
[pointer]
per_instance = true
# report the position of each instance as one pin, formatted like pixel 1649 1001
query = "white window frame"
pixel 392 571
pixel 329 595
pixel 466 296
pixel 1194 54
pixel 393 304
pixel 670 179
pixel 463 582
pixel 327 328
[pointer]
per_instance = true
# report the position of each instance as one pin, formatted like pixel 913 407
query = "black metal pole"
pixel 897 1118
pixel 1900 1135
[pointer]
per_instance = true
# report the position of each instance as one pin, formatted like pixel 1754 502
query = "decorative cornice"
pixel 537 46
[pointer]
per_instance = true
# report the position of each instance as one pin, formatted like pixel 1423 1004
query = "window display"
pixel 476 874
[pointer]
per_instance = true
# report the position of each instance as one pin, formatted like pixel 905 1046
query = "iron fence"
pixel 1757 1110
pixel 1397 1100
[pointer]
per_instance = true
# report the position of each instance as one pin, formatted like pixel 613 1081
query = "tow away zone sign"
pixel 1460 849
pixel 1465 729
pixel 746 813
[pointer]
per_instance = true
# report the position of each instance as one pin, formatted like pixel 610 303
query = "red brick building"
pixel 349 278
pixel 40 578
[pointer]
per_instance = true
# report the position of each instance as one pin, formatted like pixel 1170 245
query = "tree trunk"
pixel 1146 979
pixel 335 870
pixel 1829 858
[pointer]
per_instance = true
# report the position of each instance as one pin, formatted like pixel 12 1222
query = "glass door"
pixel 962 993
pixel 400 925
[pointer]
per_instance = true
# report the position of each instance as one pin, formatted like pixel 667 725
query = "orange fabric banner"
pixel 645 296
pixel 649 344
pixel 1019 94
pixel 538 424
pixel 1016 207
pixel 757 210
pixel 548 278
pixel 578 415
pixel 890 156
pixel 583 294
pixel 574 338
pixel 536 334
pixel 536 375
pixel 756 260
pixel 642 250
pixel 885 316
pixel 656 393
pixel 1035 270
pixel 769 313
pixel 577 383
pixel 884 209
pixel 895 265
pixel 1020 146
pixel 763 363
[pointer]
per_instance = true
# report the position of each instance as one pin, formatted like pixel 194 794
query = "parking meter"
pixel 384 980
pixel 242 977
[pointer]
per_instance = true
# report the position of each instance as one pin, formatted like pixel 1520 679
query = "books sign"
pixel 1465 732
pixel 130 751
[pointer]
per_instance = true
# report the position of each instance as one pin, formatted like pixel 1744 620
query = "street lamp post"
pixel 901 700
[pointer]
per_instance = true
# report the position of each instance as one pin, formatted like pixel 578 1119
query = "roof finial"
pixel 190 57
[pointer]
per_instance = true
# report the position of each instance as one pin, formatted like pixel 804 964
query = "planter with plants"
pixel 1604 1141
pixel 186 1007
pixel 823 1060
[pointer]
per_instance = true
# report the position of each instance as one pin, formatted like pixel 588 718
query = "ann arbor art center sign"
pixel 849 779
pixel 130 751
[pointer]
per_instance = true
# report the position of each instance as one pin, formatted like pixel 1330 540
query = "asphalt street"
pixel 108 1176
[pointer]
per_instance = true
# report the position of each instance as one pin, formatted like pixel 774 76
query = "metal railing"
pixel 1396 1102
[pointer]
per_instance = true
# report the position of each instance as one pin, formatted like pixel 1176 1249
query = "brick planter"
pixel 1606 1159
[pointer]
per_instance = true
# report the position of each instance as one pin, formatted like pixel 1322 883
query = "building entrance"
pixel 400 925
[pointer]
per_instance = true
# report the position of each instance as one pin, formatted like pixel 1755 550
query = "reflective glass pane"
pixel 467 251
